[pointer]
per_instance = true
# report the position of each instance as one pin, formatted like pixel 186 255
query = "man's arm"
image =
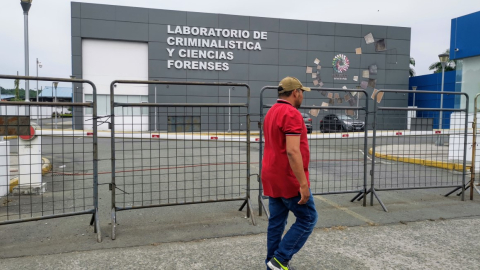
pixel 296 163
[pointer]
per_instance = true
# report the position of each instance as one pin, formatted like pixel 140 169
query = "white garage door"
pixel 104 61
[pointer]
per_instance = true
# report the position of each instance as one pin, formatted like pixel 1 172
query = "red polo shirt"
pixel 277 176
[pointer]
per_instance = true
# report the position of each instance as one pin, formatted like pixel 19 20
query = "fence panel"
pixel 46 172
pixel 337 121
pixel 418 148
pixel 183 154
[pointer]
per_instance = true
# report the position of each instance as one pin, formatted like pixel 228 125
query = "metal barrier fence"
pixel 337 120
pixel 46 172
pixel 183 158
pixel 417 156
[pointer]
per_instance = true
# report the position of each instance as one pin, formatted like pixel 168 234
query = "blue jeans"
pixel 295 238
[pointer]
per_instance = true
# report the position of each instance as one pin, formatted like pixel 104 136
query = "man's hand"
pixel 305 194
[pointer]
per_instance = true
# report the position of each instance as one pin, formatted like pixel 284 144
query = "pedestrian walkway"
pixel 431 244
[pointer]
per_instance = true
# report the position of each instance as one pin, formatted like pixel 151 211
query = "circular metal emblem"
pixel 340 63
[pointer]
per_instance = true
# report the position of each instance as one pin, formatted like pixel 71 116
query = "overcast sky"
pixel 50 25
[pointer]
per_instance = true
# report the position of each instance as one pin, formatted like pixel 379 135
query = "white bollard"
pixel 30 165
pixel 4 168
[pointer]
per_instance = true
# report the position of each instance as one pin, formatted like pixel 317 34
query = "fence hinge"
pixel 109 125
pixel 110 186
pixel 371 172
pixel 259 124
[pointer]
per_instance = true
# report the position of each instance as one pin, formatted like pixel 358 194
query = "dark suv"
pixel 308 122
pixel 340 122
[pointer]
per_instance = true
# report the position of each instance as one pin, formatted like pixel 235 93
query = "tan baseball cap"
pixel 290 84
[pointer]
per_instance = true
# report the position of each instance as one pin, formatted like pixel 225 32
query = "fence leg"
pixel 360 195
pixel 356 196
pixel 97 227
pixel 378 199
pixel 260 203
pixel 466 188
pixel 364 195
pixel 114 223
pixel 243 205
pixel 453 191
pixel 92 220
pixel 249 212
pixel 365 198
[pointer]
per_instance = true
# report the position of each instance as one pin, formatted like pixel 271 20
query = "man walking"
pixel 285 175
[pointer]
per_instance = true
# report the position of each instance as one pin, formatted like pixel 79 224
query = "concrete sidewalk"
pixel 441 244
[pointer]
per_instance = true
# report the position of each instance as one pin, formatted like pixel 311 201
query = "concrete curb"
pixel 420 161
pixel 46 168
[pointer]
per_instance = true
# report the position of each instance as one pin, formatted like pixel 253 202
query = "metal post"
pixel 260 157
pixel 365 150
pixel 358 102
pixel 112 147
pixel 52 99
pixel 56 107
pixel 27 83
pixel 155 108
pixel 374 144
pixel 55 84
pixel 465 138
pixel 37 80
pixel 249 207
pixel 414 90
pixel 358 99
pixel 439 141
pixel 73 100
pixel 474 147
pixel 441 97
pixel 229 112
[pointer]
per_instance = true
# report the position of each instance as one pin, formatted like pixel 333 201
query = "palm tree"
pixel 437 66
pixel 412 71
pixel 16 83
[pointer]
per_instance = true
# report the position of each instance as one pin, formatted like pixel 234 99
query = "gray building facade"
pixel 287 48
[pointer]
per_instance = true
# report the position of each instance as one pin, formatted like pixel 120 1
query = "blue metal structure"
pixel 465 36
pixel 433 82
